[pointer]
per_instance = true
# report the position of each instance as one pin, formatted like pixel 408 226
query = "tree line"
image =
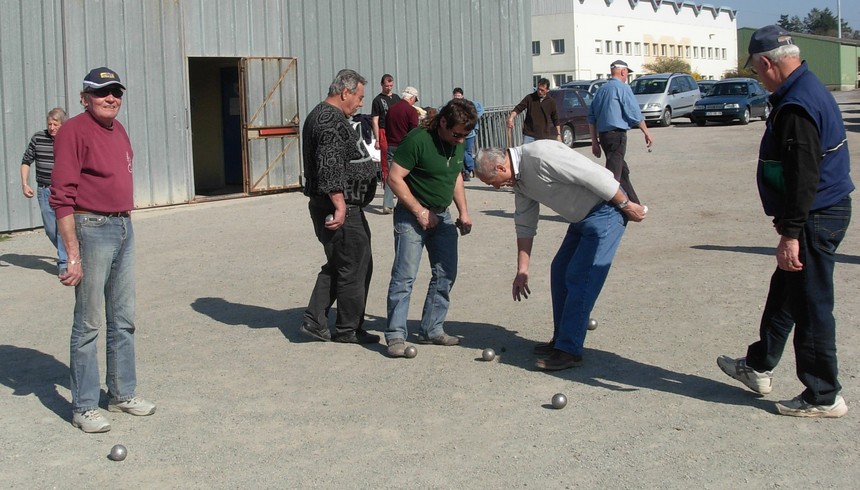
pixel 819 22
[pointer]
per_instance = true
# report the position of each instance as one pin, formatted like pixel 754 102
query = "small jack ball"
pixel 410 352
pixel 488 354
pixel 592 323
pixel 559 401
pixel 329 218
pixel 118 452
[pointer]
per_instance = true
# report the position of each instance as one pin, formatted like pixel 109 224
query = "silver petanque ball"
pixel 329 218
pixel 488 354
pixel 410 352
pixel 592 324
pixel 118 453
pixel 559 401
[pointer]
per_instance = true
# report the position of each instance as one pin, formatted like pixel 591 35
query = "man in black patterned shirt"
pixel 340 182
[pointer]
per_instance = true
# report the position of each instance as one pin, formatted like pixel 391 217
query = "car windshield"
pixel 729 89
pixel 648 86
pixel 578 86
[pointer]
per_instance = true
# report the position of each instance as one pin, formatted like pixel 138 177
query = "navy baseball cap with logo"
pixel 101 77
pixel 620 64
pixel 766 39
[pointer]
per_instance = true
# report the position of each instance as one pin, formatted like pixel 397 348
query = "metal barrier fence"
pixel 494 128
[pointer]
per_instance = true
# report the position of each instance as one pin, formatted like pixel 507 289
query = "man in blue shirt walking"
pixel 612 113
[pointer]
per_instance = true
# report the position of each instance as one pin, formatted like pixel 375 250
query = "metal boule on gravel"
pixel 488 354
pixel 118 453
pixel 592 323
pixel 559 401
pixel 410 352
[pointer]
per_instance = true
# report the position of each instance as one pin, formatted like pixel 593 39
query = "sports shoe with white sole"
pixel 91 421
pixel 136 406
pixel 760 382
pixel 798 407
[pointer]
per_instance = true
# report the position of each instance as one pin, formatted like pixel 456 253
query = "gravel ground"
pixel 244 401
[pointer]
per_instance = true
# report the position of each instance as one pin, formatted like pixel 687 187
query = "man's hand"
pixel 521 286
pixel 427 219
pixel 634 212
pixel 464 223
pixel 788 254
pixel 74 273
pixel 376 144
pixel 339 219
pixel 595 148
pixel 28 191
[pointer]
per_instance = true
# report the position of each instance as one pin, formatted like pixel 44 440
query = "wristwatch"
pixel 623 204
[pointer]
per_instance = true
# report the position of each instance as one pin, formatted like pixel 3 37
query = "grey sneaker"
pixel 798 407
pixel 136 406
pixel 760 382
pixel 443 339
pixel 91 421
pixel 397 348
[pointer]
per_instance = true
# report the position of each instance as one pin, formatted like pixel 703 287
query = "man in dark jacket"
pixel 804 184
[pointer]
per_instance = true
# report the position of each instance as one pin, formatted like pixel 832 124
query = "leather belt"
pixel 121 214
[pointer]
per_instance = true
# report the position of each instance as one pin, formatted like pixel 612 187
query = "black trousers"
pixel 614 146
pixel 804 301
pixel 345 277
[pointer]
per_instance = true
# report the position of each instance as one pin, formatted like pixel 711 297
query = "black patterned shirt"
pixel 41 151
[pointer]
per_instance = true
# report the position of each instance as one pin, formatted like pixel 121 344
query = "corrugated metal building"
pixel 217 88
pixel 835 61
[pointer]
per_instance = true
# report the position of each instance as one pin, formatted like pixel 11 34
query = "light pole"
pixel 839 18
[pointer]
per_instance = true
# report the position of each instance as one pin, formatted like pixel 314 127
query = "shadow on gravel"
pixel 35 262
pixel 842 258
pixel 605 369
pixel 498 213
pixel 30 372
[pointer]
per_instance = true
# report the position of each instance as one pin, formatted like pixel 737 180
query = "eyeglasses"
pixel 458 135
pixel 104 92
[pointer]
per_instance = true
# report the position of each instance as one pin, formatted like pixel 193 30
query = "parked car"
pixel 572 106
pixel 589 86
pixel 662 96
pixel 705 86
pixel 733 99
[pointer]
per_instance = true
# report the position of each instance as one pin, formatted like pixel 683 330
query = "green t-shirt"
pixel 433 167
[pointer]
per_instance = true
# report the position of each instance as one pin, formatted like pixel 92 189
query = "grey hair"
pixel 346 79
pixel 780 52
pixel 486 162
pixel 58 114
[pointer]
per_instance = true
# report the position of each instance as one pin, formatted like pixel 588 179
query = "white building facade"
pixel 579 39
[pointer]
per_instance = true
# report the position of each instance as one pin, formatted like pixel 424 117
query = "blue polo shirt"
pixel 614 107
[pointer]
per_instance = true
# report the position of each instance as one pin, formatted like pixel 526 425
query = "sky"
pixel 758 13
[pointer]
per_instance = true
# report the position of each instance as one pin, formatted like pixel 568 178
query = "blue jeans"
pixel 804 301
pixel 469 163
pixel 528 139
pixel 49 219
pixel 578 272
pixel 409 242
pixel 104 297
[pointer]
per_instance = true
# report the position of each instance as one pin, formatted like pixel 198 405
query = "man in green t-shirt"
pixel 426 176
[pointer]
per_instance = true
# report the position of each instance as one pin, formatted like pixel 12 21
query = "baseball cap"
pixel 766 39
pixel 620 64
pixel 410 92
pixel 101 77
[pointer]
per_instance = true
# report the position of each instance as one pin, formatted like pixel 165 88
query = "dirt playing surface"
pixel 244 401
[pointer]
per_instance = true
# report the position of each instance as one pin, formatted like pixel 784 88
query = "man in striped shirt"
pixel 41 151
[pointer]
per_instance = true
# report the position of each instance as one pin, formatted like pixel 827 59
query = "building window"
pixel 598 46
pixel 617 47
pixel 662 50
pixel 558 80
pixel 724 53
pixel 647 49
pixel 687 52
pixel 710 53
pixel 608 47
pixel 557 46
pixel 672 50
pixel 695 52
pixel 627 48
pixel 637 49
pixel 535 79
pixel 654 49
pixel 535 48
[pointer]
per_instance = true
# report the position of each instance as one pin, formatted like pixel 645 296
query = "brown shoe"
pixel 559 360
pixel 443 339
pixel 544 349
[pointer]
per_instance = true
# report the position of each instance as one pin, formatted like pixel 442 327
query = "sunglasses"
pixel 104 92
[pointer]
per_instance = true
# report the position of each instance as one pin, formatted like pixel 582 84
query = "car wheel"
pixel 568 136
pixel 745 119
pixel 766 112
pixel 700 122
pixel 666 118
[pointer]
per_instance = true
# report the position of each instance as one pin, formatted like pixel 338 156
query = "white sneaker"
pixel 91 421
pixel 798 407
pixel 760 382
pixel 136 406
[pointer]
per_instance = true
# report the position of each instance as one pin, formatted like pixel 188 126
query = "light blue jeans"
pixel 409 243
pixel 104 297
pixel 49 219
pixel 578 272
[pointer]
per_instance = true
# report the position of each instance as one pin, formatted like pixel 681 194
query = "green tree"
pixel 668 65
pixel 821 22
pixel 793 24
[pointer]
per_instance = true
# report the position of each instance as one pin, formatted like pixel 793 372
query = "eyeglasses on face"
pixel 104 92
pixel 458 135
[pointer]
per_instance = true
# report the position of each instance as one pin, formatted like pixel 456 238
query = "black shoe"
pixel 466 177
pixel 544 349
pixel 317 333
pixel 559 360
pixel 357 337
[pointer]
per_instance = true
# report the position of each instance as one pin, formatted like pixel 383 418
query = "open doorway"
pixel 216 126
